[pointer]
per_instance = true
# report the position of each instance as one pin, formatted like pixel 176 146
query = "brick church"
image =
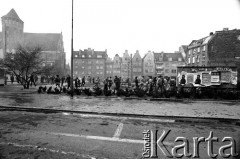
pixel 13 34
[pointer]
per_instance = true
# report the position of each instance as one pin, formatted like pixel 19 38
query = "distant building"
pixel 89 63
pixel 109 67
pixel 126 66
pixel 136 65
pixel 159 64
pixel 12 36
pixel 148 64
pixel 117 60
pixel 221 48
pixel 171 62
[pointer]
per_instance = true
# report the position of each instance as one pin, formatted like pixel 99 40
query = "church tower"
pixel 12 31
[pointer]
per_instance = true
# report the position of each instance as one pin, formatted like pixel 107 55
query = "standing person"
pixel 136 82
pixel 154 81
pixel 12 78
pixel 198 80
pixel 110 82
pixel 83 81
pixel 36 79
pixel 63 80
pixel 57 80
pixel 76 82
pixel 160 83
pixel 183 80
pixel 32 80
pixel 93 80
pixel 68 80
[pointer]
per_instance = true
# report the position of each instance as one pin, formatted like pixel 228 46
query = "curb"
pixel 185 119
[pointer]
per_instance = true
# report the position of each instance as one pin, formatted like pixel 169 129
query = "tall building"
pixel 89 63
pixel 148 64
pixel 221 48
pixel 109 67
pixel 136 65
pixel 126 66
pixel 12 36
pixel 117 60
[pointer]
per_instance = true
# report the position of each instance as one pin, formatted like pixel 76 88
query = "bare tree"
pixel 25 62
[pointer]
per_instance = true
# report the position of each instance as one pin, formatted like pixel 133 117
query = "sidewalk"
pixel 119 105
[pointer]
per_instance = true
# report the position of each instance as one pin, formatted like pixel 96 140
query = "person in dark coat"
pixel 32 80
pixel 12 79
pixel 183 80
pixel 136 82
pixel 62 80
pixel 57 80
pixel 83 81
pixel 198 80
pixel 68 80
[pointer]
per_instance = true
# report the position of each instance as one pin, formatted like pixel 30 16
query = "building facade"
pixel 117 60
pixel 148 64
pixel 221 48
pixel 109 67
pixel 126 66
pixel 89 63
pixel 159 64
pixel 136 65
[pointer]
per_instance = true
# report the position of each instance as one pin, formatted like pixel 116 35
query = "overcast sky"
pixel 119 25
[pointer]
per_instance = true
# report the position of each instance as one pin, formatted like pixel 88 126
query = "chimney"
pixel 211 33
pixel 225 29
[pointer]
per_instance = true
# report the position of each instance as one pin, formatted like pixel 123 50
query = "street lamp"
pixel 72 55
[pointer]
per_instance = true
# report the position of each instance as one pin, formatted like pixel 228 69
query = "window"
pixel 97 67
pixel 198 49
pixel 43 64
pixel 203 57
pixel 167 64
pixel 146 70
pixel 169 59
pixel 101 73
pixel 89 56
pixel 179 59
pixel 166 70
pixel 134 69
pixel 193 60
pixel 189 52
pixel 97 61
pixel 101 67
pixel 83 67
pixel 198 59
pixel 204 48
pixel 83 72
pixel 99 56
pixel 174 71
pixel 76 55
pixel 76 72
pixel 83 61
pixel 89 72
pixel 83 56
pixel 189 61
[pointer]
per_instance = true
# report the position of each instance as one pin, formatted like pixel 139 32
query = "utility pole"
pixel 72 55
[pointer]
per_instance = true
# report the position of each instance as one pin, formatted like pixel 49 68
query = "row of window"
pixel 196 50
pixel 196 59
pixel 90 67
pixel 98 73
pixel 89 62
pixel 83 56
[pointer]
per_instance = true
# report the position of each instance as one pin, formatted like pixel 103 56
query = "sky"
pixel 119 25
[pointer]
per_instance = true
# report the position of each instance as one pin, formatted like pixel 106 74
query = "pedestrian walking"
pixel 32 80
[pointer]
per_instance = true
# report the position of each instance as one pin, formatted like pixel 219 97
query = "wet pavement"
pixel 211 109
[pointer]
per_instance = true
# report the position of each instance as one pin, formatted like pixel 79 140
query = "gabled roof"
pixel 12 15
pixel 47 41
pixel 174 56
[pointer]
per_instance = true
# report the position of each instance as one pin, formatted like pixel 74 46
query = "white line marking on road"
pixel 107 138
pixel 118 131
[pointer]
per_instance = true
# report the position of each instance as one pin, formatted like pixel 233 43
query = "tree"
pixel 25 62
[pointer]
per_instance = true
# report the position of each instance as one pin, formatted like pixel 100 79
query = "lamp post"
pixel 72 55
